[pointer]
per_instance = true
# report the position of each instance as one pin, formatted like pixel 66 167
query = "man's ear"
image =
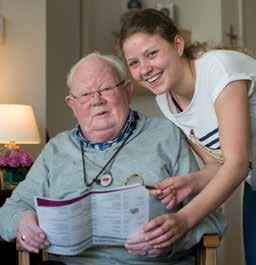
pixel 129 88
pixel 71 104
pixel 179 44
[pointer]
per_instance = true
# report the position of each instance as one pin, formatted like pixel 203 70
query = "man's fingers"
pixel 136 238
pixel 139 247
pixel 151 253
pixel 29 238
pixel 138 253
pixel 157 252
pixel 27 246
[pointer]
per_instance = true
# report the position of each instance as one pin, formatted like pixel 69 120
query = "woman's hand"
pixel 173 190
pixel 29 235
pixel 162 231
pixel 137 245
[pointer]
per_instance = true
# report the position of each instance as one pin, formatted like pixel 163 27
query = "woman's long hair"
pixel 152 21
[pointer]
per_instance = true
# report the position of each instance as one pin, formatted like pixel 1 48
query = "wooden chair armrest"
pixel 24 255
pixel 211 241
pixel 207 250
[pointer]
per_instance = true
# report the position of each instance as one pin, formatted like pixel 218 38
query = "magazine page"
pixel 67 223
pixel 101 217
pixel 119 213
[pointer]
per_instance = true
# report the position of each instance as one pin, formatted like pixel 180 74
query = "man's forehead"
pixel 92 70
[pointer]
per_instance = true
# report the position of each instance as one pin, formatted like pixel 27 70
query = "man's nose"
pixel 97 98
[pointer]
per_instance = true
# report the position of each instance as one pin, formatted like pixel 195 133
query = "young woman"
pixel 211 96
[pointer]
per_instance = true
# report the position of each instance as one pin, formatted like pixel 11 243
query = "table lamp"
pixel 18 125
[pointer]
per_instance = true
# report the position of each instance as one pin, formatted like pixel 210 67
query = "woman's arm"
pixel 232 113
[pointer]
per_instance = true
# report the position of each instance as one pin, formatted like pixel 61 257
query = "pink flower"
pixel 3 161
pixel 25 159
pixel 13 161
pixel 15 158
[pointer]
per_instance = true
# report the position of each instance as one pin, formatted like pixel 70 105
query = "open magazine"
pixel 101 217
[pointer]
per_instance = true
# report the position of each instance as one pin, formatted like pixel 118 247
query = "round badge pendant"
pixel 106 180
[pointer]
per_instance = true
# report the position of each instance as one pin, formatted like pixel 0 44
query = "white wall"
pixel 102 18
pixel 229 10
pixel 249 27
pixel 146 104
pixel 63 50
pixel 23 58
pixel 198 16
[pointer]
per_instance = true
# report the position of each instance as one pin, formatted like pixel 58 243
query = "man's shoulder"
pixel 160 121
pixel 61 140
pixel 160 126
pixel 62 136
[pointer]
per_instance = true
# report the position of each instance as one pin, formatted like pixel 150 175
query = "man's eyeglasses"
pixel 104 92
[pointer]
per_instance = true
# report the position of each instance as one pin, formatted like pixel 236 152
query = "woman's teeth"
pixel 153 78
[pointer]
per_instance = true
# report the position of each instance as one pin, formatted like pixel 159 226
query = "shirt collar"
pixel 129 126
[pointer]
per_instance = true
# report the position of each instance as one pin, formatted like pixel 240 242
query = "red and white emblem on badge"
pixel 106 180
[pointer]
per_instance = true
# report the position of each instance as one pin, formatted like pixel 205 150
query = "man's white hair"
pixel 112 60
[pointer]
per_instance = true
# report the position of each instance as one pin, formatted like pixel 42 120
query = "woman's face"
pixel 154 62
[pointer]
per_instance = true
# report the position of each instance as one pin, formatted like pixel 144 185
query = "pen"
pixel 149 187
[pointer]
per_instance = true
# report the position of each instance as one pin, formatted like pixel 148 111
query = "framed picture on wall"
pixel 167 7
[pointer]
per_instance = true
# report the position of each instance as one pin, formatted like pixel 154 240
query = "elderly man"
pixel 110 143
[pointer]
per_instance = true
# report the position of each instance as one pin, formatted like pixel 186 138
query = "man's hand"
pixel 137 245
pixel 29 235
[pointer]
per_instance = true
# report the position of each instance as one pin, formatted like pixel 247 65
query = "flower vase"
pixel 14 166
pixel 12 176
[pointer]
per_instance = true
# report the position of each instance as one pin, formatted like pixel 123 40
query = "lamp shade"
pixel 18 124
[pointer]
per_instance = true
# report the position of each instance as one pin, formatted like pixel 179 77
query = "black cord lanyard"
pixel 176 104
pixel 96 178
